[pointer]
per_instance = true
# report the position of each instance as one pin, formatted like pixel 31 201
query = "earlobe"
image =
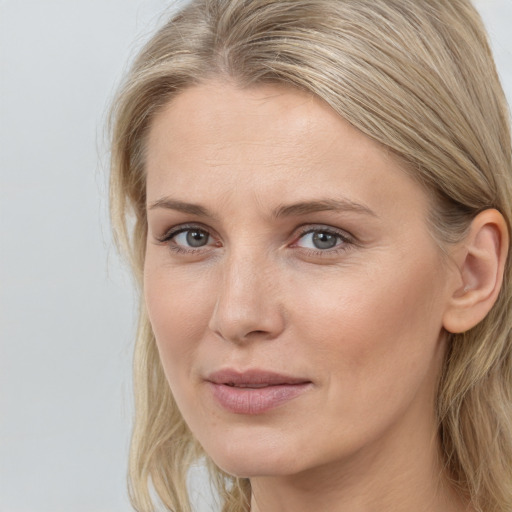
pixel 481 263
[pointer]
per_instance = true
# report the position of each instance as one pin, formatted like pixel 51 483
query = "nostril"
pixel 240 315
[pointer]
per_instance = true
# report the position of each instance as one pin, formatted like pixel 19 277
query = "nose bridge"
pixel 248 301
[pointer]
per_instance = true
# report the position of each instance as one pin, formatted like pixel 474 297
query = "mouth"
pixel 253 378
pixel 251 386
pixel 254 391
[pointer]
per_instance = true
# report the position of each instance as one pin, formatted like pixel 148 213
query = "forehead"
pixel 223 116
pixel 220 140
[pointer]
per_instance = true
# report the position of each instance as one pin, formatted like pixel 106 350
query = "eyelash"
pixel 344 240
pixel 168 237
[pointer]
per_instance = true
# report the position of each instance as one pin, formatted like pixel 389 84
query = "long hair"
pixel 415 75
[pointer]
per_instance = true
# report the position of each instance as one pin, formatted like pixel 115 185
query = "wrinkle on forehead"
pixel 269 140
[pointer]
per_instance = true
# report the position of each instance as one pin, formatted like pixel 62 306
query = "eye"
pixel 193 238
pixel 321 239
pixel 187 239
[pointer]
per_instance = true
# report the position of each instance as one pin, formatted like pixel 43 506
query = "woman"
pixel 321 192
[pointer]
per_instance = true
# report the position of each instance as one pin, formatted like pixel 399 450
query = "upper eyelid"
pixel 311 228
pixel 169 235
pixel 180 228
pixel 296 233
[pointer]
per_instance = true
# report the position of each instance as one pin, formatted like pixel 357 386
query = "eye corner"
pixel 189 238
pixel 323 240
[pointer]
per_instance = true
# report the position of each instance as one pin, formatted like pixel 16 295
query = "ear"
pixel 480 260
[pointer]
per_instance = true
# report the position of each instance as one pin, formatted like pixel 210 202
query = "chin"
pixel 251 467
pixel 249 455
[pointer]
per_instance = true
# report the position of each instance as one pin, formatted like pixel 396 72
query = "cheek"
pixel 179 306
pixel 371 325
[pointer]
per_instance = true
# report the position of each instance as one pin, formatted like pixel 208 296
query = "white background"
pixel 67 311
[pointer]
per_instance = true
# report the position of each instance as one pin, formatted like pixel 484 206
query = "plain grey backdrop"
pixel 67 309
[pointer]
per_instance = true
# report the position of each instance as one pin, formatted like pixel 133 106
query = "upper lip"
pixel 253 377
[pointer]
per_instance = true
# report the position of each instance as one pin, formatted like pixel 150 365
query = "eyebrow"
pixel 290 210
pixel 181 206
pixel 322 205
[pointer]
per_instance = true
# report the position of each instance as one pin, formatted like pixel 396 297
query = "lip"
pixel 254 391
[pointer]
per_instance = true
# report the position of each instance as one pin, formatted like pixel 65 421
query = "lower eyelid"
pixel 184 233
pixel 343 237
pixel 175 231
pixel 168 238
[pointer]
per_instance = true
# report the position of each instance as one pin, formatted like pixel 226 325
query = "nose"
pixel 248 304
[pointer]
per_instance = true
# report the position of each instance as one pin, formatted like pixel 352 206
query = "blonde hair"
pixel 415 75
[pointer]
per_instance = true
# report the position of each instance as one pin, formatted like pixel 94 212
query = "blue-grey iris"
pixel 323 240
pixel 196 238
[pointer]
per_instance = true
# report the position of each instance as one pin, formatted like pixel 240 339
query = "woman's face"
pixel 293 287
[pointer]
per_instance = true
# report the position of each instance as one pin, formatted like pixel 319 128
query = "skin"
pixel 362 321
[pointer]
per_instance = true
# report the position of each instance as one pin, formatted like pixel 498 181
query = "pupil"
pixel 197 238
pixel 324 240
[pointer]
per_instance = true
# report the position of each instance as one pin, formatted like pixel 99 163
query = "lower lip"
pixel 255 400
